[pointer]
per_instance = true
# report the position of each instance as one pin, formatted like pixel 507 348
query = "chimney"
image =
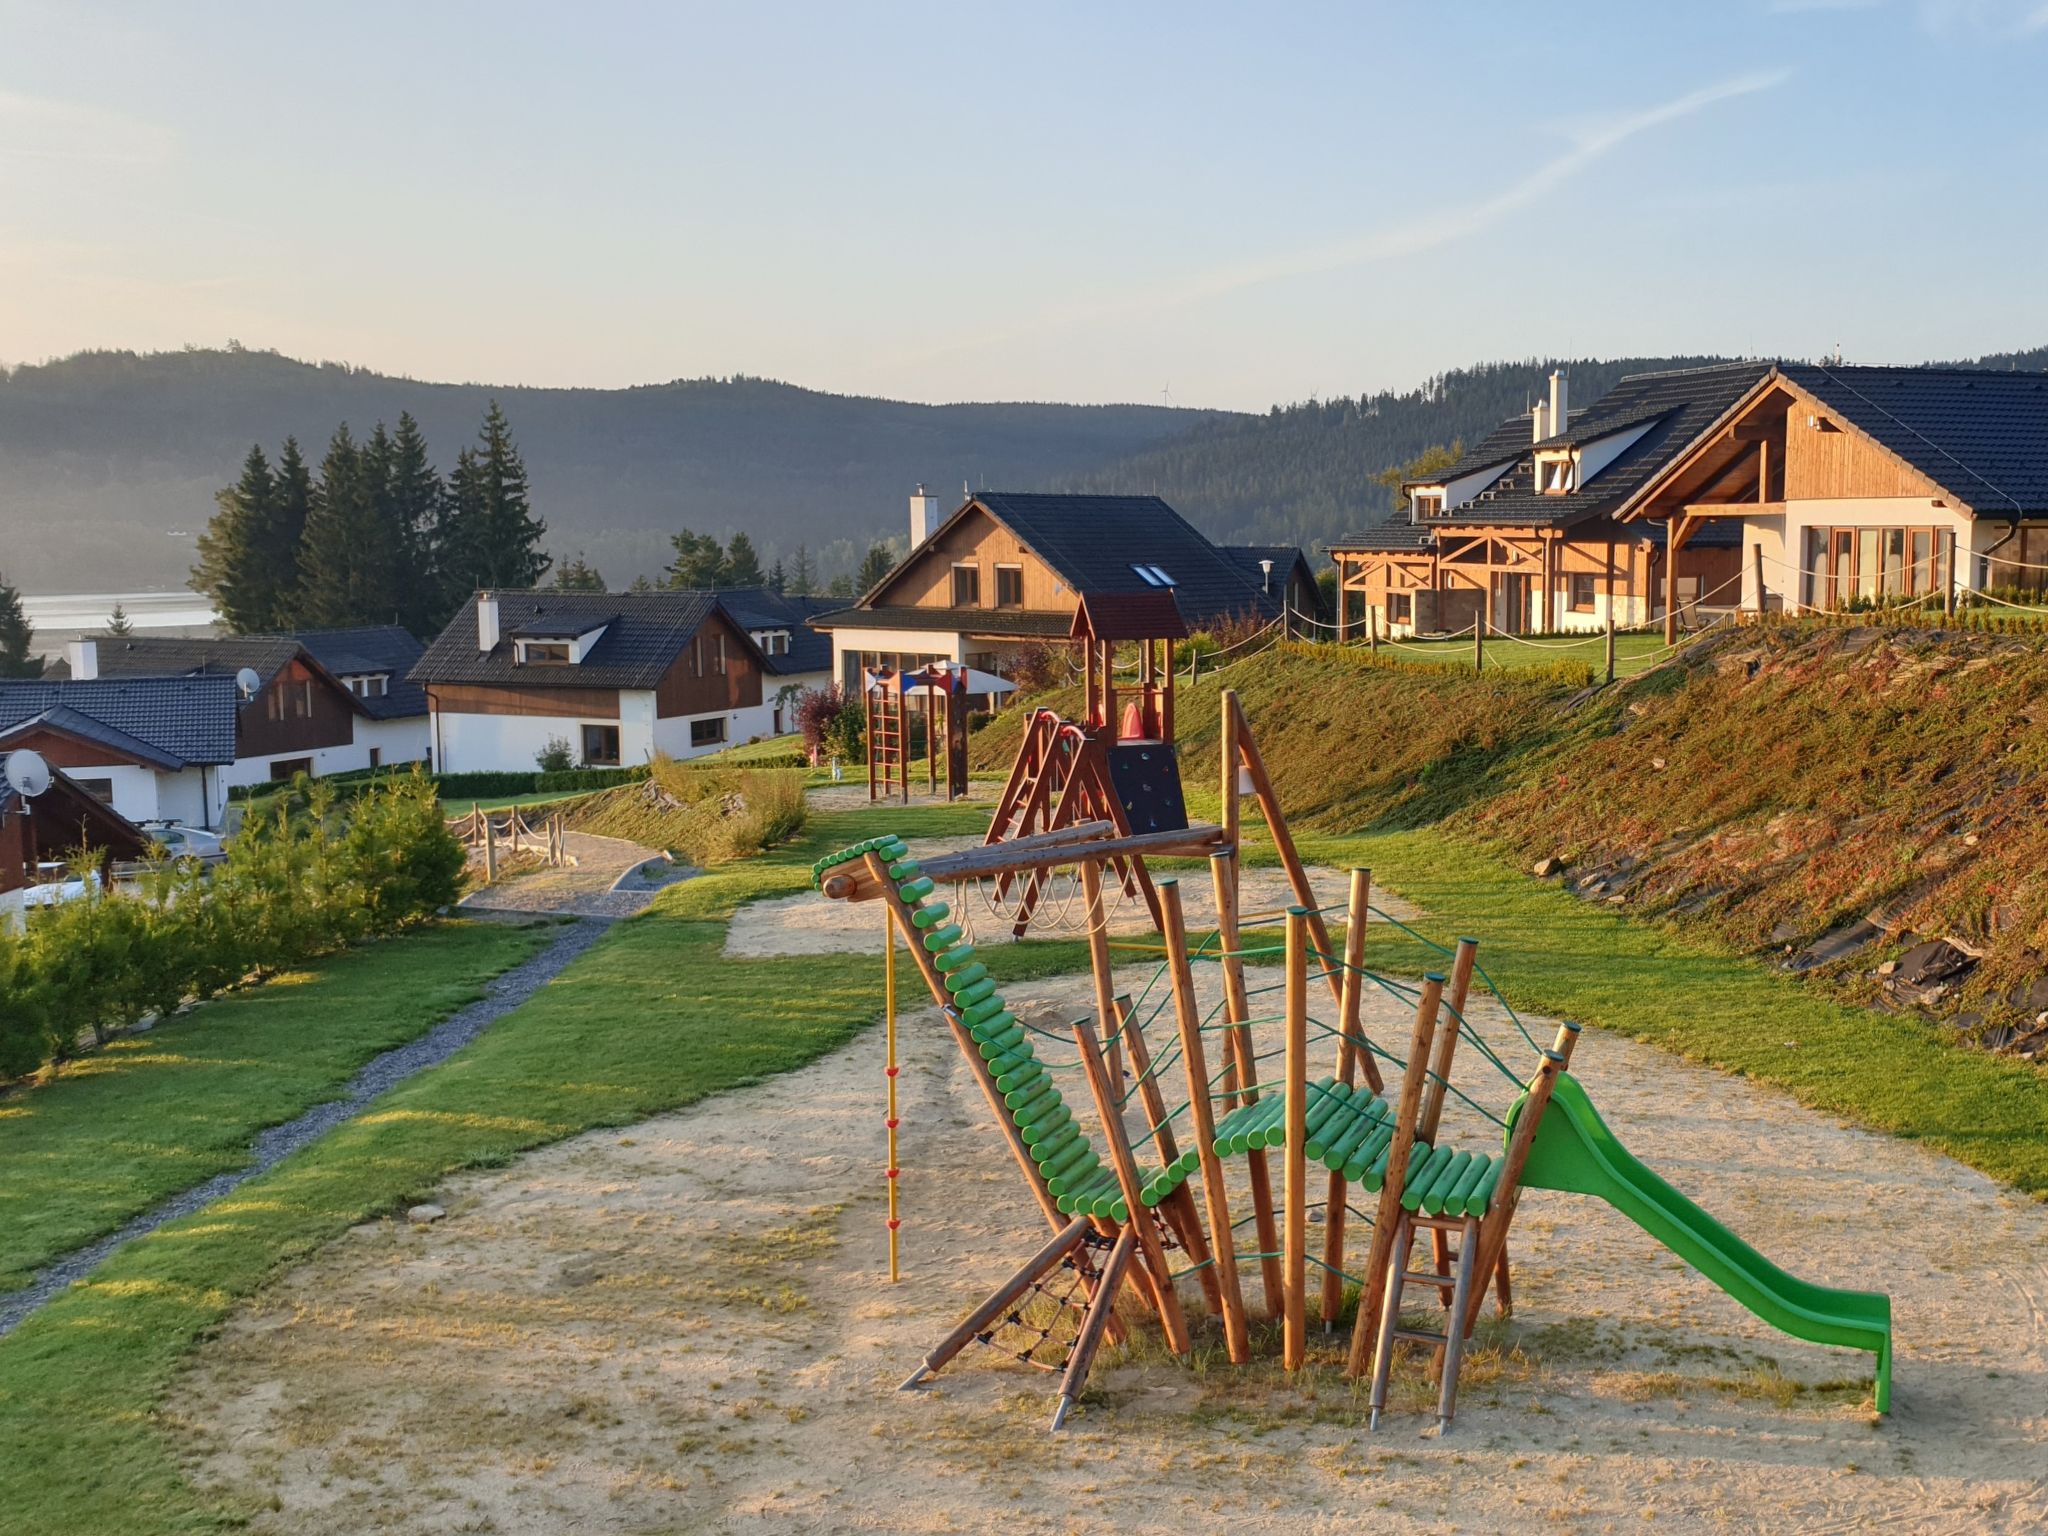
pixel 1560 416
pixel 924 516
pixel 486 621
pixel 1536 423
pixel 85 659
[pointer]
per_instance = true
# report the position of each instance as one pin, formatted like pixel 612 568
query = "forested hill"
pixel 1304 474
pixel 109 461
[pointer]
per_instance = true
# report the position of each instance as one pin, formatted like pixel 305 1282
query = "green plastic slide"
pixel 1576 1152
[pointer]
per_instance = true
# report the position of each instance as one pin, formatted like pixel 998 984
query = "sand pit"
pixel 686 1326
pixel 804 925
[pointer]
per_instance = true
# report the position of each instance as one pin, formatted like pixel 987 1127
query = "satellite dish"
pixel 248 680
pixel 27 774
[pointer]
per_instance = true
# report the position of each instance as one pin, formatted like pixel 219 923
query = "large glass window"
pixel 1845 565
pixel 966 586
pixel 600 746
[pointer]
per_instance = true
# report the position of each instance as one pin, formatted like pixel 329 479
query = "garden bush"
pixel 308 876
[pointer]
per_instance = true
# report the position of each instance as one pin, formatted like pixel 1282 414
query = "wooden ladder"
pixel 1450 1344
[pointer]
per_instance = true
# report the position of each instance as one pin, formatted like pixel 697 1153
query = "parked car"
pixel 183 842
pixel 50 893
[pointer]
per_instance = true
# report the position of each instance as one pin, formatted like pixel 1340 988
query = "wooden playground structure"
pixel 886 695
pixel 1120 1204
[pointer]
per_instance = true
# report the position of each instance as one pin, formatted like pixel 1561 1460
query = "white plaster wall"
pixel 636 727
pixel 1875 512
pixel 326 760
pixel 1781 584
pixel 135 789
pixel 512 743
pixel 401 741
pixel 194 797
pixel 921 642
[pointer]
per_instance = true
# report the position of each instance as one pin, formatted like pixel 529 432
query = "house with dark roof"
pixel 325 702
pixel 1010 568
pixel 1845 486
pixel 39 831
pixel 795 657
pixel 153 748
pixel 618 676
pixel 1531 530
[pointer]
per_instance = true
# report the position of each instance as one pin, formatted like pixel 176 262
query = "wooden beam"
pixel 1042 853
pixel 1696 511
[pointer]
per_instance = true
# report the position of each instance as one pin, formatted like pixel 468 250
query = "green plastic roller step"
pixel 1454 1203
pixel 1029 1102
pixel 1482 1193
pixel 1364 1164
pixel 929 914
pixel 1040 1115
pixel 1246 1123
pixel 904 869
pixel 961 980
pixel 1363 1123
pixel 942 938
pixel 980 992
pixel 914 891
pixel 1001 1025
pixel 1076 1178
pixel 1010 1082
pixel 1426 1192
pixel 998 1041
pixel 1060 1155
pixel 955 960
pixel 1010 1061
pixel 973 1014
pixel 1041 1131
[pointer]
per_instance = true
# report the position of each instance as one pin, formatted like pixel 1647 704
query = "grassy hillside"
pixel 1774 787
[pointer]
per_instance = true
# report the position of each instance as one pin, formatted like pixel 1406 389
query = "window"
pixel 2032 554
pixel 282 768
pixel 373 686
pixel 1009 586
pixel 720 657
pixel 600 746
pixel 1584 584
pixel 1427 504
pixel 696 655
pixel 376 757
pixel 101 790
pixel 707 733
pixel 1153 575
pixel 544 653
pixel 1397 607
pixel 1847 565
pixel 966 586
pixel 1554 475
pixel 773 642
pixel 290 701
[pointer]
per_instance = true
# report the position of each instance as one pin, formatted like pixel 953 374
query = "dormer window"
pixel 542 653
pixel 1425 504
pixel 1555 474
pixel 773 642
pixel 370 685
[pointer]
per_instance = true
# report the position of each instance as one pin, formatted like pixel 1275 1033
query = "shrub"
pixel 556 756
pixel 306 876
pixel 1036 665
pixel 816 709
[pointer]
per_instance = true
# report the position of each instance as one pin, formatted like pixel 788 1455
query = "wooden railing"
pixel 508 831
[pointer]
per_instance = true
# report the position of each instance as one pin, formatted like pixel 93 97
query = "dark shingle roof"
pixel 646 632
pixel 387 648
pixel 1680 407
pixel 1503 445
pixel 183 719
pixel 756 608
pixel 1092 543
pixel 62 717
pixel 1285 558
pixel 1982 436
pixel 1392 532
pixel 169 656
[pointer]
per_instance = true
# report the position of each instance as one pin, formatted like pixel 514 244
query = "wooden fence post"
pixel 1610 640
pixel 1757 550
pixel 490 852
pixel 1479 643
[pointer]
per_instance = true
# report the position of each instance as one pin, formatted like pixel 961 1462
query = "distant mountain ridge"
pixel 103 455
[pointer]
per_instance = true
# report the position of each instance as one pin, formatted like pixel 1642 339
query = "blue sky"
pixel 1238 204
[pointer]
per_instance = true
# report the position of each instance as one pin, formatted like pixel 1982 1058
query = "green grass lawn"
pixel 151 1114
pixel 1633 653
pixel 651 1018
pixel 463 804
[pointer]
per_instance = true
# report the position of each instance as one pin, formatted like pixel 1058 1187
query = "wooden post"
pixel 1372 628
pixel 1101 1316
pixel 1610 636
pixel 1099 966
pixel 903 736
pixel 490 851
pixel 1493 1226
pixel 1948 587
pixel 867 698
pixel 1294 1183
pixel 1479 640
pixel 1243 1080
pixel 1349 1049
pixel 1202 1119
pixel 1343 607
pixel 1178 1208
pixel 1433 1092
pixel 1672 531
pixel 1118 1143
pixel 1388 1221
pixel 1757 550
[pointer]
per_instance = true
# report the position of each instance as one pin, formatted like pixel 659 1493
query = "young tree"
pixel 335 562
pixel 641 584
pixel 578 575
pixel 17 635
pixel 777 580
pixel 235 568
pixel 118 622
pixel 801 577
pixel 490 537
pixel 742 564
pixel 876 564
pixel 699 565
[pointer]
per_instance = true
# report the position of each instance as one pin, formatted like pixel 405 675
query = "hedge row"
pixel 295 884
pixel 452 787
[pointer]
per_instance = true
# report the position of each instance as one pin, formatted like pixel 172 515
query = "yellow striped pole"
pixel 889 1032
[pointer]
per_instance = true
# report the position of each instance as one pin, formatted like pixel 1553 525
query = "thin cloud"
pixel 1426 233
pixel 40 128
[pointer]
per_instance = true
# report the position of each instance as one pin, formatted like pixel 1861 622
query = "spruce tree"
pixel 336 560
pixel 877 564
pixel 17 636
pixel 699 565
pixel 118 622
pixel 281 535
pixel 235 568
pixel 742 564
pixel 777 580
pixel 801 577
pixel 414 499
pixel 386 562
pixel 491 534
pixel 578 575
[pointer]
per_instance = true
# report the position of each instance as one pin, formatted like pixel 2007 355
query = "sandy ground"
pixel 803 925
pixel 687 1326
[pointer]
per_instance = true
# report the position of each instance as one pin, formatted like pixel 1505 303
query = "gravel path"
pixel 271 1147
pixel 608 878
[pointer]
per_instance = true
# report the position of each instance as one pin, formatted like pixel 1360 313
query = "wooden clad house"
pixel 152 748
pixel 54 826
pixel 1851 485
pixel 1531 530
pixel 618 676
pixel 1010 567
